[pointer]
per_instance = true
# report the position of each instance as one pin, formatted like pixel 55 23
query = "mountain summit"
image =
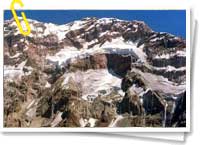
pixel 93 73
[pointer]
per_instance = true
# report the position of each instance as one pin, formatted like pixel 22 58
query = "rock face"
pixel 179 115
pixel 131 104
pixel 93 73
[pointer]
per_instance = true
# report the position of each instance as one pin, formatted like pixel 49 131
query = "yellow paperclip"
pixel 28 31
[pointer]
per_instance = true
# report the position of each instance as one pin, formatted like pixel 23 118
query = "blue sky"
pixel 171 21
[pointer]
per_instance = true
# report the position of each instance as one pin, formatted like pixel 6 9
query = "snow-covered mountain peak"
pixel 105 71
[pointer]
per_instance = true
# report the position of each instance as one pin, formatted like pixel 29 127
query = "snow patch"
pixel 12 72
pixel 170 68
pixel 93 81
pixel 47 85
pixel 168 56
pixel 60 30
pixel 137 90
pixel 90 121
pixel 161 84
pixel 16 55
pixel 57 119
pixel 120 44
pixel 114 122
pixel 78 25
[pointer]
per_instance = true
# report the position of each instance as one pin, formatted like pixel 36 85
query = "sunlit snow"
pixel 93 81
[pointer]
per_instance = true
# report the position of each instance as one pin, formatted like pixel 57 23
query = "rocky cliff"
pixel 93 73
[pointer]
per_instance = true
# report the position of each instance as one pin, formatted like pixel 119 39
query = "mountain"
pixel 93 73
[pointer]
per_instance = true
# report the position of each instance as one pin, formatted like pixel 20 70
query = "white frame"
pixel 94 5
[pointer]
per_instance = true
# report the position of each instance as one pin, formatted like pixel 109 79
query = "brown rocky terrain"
pixel 93 73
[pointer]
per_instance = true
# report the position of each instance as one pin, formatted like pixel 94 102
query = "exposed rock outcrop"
pixel 93 73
